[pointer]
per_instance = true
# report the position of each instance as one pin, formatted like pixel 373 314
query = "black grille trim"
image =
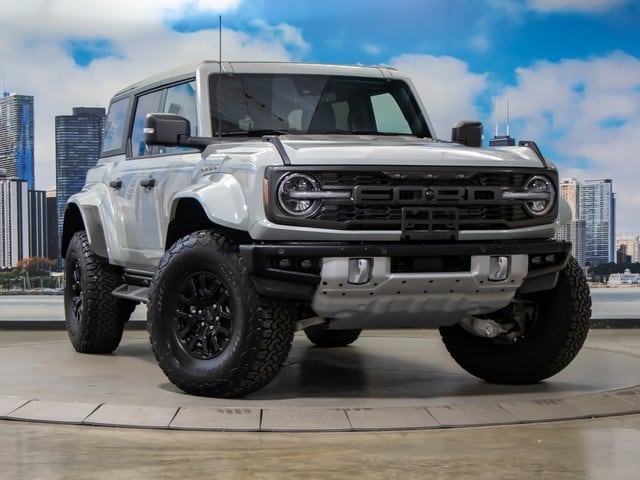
pixel 378 196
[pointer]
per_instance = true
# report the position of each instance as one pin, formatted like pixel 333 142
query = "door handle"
pixel 117 184
pixel 148 182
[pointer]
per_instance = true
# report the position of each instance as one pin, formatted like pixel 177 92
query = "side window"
pixel 115 127
pixel 388 115
pixel 148 103
pixel 181 100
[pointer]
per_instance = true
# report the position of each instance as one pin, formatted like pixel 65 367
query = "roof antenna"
pixel 507 116
pixel 219 96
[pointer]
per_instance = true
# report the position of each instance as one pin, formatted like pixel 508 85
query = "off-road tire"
pixel 556 335
pixel 323 337
pixel 211 333
pixel 94 318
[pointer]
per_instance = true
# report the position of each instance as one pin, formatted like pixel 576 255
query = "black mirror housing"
pixel 166 129
pixel 467 132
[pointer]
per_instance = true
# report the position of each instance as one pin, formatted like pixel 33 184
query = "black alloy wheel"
pixel 76 298
pixel 204 315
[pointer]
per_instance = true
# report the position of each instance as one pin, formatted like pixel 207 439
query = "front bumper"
pixel 263 261
pixel 408 285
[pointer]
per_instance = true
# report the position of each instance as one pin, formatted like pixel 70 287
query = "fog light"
pixel 284 263
pixel 359 270
pixel 306 264
pixel 498 268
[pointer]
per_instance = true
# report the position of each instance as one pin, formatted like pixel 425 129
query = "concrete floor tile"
pixel 224 419
pixel 132 416
pixel 9 404
pixel 542 410
pixel 305 419
pixel 54 411
pixel 393 372
pixel 390 418
pixel 602 404
pixel 631 396
pixel 471 415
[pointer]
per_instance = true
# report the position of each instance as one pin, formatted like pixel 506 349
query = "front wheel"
pixel 554 329
pixel 212 334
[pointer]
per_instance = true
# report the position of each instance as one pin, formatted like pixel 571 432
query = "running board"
pixel 132 292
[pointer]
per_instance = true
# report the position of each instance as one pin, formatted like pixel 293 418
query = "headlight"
pixel 299 194
pixel 541 195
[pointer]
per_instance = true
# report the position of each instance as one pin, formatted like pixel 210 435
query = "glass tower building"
pixel 574 231
pixel 14 220
pixel 16 137
pixel 78 141
pixel 597 208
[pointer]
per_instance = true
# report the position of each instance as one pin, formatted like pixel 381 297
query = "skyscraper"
pixel 53 247
pixel 597 208
pixel 38 224
pixel 632 246
pixel 14 220
pixel 573 231
pixel 16 137
pixel 78 141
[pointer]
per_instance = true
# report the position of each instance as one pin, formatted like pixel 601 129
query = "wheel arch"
pixel 188 215
pixel 87 218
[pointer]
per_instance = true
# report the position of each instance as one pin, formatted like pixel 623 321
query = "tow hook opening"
pixel 504 326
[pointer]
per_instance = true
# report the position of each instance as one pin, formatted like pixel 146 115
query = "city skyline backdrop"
pixel 570 69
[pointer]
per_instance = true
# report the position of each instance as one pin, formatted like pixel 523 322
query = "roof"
pixel 187 71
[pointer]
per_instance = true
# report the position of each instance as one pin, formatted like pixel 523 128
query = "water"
pixel 616 303
pixel 608 303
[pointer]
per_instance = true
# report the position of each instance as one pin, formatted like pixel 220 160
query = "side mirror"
pixel 166 129
pixel 467 132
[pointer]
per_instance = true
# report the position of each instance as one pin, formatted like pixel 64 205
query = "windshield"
pixel 263 104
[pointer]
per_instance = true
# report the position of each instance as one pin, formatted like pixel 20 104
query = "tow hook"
pixel 484 327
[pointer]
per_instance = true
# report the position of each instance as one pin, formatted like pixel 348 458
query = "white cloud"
pixel 447 88
pixel 97 13
pixel 584 6
pixel 283 33
pixel 480 43
pixel 588 112
pixel 370 48
pixel 33 35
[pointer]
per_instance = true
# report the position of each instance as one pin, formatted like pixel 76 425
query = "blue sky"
pixel 570 68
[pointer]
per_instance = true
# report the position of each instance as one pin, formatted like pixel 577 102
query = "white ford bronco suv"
pixel 244 201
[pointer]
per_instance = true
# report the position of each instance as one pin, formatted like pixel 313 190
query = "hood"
pixel 341 150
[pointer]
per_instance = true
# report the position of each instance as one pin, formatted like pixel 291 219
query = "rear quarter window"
pixel 115 127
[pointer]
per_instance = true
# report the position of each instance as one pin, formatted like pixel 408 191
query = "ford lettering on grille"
pixel 410 195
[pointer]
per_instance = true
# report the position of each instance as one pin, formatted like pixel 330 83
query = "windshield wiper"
pixel 255 133
pixel 360 132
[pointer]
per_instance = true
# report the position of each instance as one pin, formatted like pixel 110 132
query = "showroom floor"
pixel 392 405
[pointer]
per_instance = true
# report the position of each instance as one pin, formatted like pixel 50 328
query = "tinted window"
pixel 181 100
pixel 316 104
pixel 115 127
pixel 149 103
pixel 388 115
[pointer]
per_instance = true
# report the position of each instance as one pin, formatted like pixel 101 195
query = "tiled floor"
pixel 386 381
pixel 425 392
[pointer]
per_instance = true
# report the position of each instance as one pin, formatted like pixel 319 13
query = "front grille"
pixel 377 198
pixel 390 218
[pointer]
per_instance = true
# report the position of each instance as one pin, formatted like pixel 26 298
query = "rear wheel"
pixel 94 318
pixel 548 330
pixel 212 334
pixel 323 337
